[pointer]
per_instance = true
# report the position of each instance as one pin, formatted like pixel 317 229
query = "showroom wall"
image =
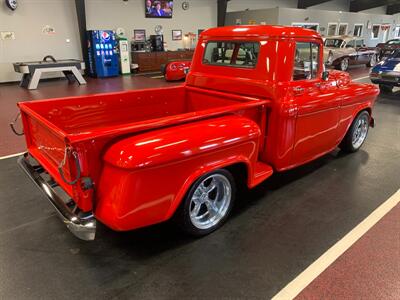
pixel 28 21
pixel 240 5
pixel 287 16
pixel 111 14
pixel 270 16
pixel 30 43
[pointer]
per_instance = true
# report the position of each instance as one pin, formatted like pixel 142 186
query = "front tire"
pixel 385 89
pixel 357 133
pixel 208 203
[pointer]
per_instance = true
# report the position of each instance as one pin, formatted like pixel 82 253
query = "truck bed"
pixel 94 115
pixel 87 124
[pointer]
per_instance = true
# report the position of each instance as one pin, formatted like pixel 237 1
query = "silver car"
pixel 342 51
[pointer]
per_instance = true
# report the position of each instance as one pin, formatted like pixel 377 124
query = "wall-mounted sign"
pixel 7 35
pixel 48 30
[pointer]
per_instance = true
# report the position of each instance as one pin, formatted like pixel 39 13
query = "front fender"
pixel 145 177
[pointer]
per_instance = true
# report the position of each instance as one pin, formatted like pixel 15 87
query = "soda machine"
pixel 103 59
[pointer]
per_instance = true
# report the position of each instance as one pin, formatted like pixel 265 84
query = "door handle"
pixel 298 90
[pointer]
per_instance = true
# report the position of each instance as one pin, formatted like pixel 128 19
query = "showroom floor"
pixel 276 231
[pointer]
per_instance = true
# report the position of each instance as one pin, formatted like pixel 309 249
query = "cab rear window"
pixel 234 54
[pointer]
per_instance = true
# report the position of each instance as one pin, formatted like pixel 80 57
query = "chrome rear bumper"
pixel 82 227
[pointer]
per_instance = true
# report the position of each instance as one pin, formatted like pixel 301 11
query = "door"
pixel 317 105
pixel 363 53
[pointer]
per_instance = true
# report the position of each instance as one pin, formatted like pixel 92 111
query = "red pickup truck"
pixel 257 100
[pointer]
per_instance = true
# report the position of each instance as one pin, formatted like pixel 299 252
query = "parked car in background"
pixel 176 70
pixel 386 49
pixel 387 72
pixel 342 51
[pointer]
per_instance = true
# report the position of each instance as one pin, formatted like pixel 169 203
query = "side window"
pixel 350 44
pixel 359 43
pixel 235 54
pixel 306 62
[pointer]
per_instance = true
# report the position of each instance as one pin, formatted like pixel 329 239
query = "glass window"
pixel 375 31
pixel 235 54
pixel 358 30
pixel 359 43
pixel 351 44
pixel 335 43
pixel 332 27
pixel 306 63
pixel 343 29
pixel 394 42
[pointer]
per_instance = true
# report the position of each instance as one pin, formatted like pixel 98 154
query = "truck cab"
pixel 257 100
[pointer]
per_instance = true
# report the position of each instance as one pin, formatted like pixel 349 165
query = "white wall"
pixel 335 5
pixel 111 14
pixel 269 16
pixel 30 43
pixel 381 10
pixel 239 5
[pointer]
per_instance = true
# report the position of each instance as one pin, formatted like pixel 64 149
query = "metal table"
pixel 32 71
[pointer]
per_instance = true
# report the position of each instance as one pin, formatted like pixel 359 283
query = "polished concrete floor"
pixel 276 231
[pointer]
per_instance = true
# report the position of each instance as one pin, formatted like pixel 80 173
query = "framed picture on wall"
pixel 139 35
pixel 176 34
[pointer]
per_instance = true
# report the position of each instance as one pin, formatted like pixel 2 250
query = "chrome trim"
pixel 83 228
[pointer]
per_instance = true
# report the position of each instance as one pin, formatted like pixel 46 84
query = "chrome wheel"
pixel 360 132
pixel 210 201
pixel 372 61
pixel 344 64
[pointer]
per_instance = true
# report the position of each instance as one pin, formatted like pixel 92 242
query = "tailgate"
pixel 50 147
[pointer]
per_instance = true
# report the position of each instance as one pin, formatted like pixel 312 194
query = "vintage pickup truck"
pixel 257 100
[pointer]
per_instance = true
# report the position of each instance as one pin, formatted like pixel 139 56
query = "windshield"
pixel 396 54
pixel 335 43
pixel 394 42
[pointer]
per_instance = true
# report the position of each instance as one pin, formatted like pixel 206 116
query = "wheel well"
pixel 240 174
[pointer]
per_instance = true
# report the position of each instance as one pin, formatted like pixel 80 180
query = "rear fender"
pixel 181 142
pixel 153 171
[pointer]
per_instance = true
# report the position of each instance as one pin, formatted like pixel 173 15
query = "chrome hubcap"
pixel 210 201
pixel 360 133
pixel 373 61
pixel 345 64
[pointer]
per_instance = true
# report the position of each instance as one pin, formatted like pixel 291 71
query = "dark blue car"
pixel 387 72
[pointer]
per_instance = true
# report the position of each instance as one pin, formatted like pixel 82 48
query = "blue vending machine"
pixel 103 61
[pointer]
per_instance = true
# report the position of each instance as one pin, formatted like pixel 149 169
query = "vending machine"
pixel 103 59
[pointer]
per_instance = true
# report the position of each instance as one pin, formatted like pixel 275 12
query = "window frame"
pixel 347 28
pixel 230 65
pixel 362 29
pixel 372 31
pixel 320 68
pixel 336 28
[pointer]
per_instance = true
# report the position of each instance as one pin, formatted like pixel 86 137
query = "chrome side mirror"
pixel 325 75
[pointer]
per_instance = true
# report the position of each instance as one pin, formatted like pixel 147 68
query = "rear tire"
pixel 357 133
pixel 207 204
pixel 343 65
pixel 385 89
